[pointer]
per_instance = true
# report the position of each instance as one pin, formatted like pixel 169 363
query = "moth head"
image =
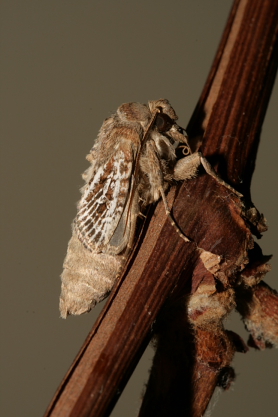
pixel 163 122
pixel 179 136
pixel 162 106
pixel 165 119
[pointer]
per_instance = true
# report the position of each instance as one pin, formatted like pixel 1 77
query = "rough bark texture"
pixel 182 290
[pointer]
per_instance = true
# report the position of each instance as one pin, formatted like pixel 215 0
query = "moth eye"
pixel 163 122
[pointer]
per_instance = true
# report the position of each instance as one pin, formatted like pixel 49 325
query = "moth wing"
pixel 104 220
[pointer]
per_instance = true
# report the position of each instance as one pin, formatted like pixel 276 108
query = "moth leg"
pixel 187 168
pixel 208 168
pixel 152 166
pixel 172 221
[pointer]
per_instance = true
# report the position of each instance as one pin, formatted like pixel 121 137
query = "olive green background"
pixel 65 66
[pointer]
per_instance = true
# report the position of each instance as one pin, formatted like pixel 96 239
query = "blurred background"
pixel 66 66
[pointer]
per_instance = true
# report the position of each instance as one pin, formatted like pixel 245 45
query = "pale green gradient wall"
pixel 65 66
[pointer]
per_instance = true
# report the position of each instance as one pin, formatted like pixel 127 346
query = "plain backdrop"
pixel 65 66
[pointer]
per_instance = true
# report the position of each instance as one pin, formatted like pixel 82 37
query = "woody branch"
pixel 191 360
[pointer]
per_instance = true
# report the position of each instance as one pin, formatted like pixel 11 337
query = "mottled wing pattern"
pixel 103 208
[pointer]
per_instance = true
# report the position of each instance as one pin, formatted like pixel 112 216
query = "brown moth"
pixel 133 161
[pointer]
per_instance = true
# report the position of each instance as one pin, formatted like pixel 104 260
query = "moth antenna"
pixel 172 221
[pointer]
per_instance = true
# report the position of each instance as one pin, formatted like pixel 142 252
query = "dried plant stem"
pixel 229 115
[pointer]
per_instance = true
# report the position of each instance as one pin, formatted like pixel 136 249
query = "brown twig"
pixel 230 112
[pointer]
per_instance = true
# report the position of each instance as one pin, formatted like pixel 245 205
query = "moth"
pixel 133 161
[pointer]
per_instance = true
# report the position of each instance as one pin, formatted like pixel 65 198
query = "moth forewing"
pixel 106 197
pixel 123 235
